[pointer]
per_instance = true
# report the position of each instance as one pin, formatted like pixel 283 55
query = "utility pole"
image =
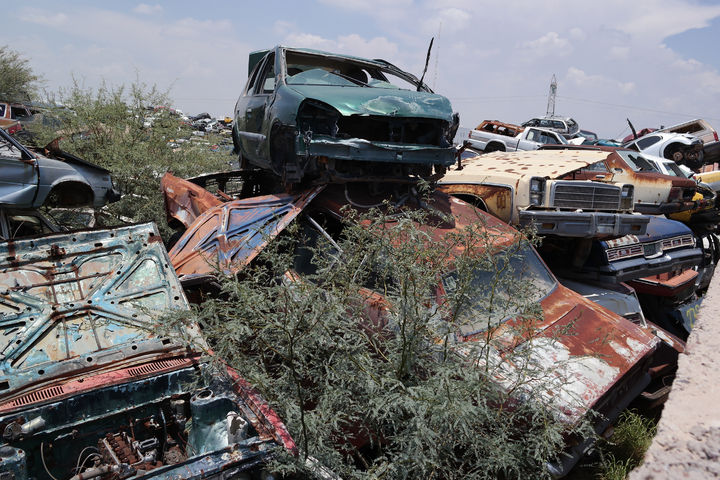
pixel 551 97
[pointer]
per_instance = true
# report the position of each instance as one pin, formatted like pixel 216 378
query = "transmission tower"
pixel 551 97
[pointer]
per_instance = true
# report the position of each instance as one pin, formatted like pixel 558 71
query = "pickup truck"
pixel 493 136
pixel 523 191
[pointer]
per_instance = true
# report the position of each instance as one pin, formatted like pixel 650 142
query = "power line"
pixel 632 107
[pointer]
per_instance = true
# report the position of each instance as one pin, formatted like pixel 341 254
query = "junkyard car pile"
pixel 92 387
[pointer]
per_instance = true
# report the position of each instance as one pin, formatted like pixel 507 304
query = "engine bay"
pixel 168 426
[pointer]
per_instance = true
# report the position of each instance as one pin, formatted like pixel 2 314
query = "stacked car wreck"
pixel 93 386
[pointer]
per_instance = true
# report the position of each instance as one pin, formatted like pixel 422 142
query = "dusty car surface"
pixel 90 384
pixel 606 380
pixel 530 188
pixel 666 246
pixel 305 113
pixel 655 192
pixel 31 179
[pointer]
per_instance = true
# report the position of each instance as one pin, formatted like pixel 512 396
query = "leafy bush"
pixel 105 126
pixel 18 83
pixel 360 356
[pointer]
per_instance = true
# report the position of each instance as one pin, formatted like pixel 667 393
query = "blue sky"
pixel 654 61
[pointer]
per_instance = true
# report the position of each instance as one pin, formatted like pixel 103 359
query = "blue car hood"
pixel 658 228
pixel 357 100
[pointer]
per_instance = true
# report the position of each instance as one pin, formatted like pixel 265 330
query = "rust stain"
pixel 185 201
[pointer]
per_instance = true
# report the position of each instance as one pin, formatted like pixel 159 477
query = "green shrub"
pixel 344 366
pixel 105 127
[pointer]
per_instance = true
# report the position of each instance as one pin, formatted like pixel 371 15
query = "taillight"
pixel 675 193
pixel 716 136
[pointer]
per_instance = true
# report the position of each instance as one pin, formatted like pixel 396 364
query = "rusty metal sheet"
pixel 82 299
pixel 494 199
pixel 185 201
pixel 227 237
pixel 533 163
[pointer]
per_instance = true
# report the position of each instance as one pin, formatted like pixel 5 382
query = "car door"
pixel 19 178
pixel 530 140
pixel 253 137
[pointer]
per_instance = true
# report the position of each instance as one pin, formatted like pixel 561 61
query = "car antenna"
pixel 632 128
pixel 427 61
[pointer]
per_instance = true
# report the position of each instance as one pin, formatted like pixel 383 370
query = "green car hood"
pixel 349 100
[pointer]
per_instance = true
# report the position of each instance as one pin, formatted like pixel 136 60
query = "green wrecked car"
pixel 311 115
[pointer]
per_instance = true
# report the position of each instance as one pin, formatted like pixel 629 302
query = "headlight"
pixel 627 197
pixel 537 190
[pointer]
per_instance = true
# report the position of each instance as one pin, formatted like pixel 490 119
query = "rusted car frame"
pixel 91 385
pixel 625 367
pixel 655 192
pixel 531 188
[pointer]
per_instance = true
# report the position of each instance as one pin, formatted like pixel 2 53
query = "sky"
pixel 656 62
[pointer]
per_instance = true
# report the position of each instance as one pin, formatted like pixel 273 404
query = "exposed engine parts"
pixel 150 437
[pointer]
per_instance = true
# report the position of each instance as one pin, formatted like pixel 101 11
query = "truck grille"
pixel 586 195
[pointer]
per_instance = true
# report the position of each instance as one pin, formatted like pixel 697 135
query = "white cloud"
pixel 577 34
pixel 493 60
pixel 352 44
pixel 145 9
pixel 589 82
pixel 40 17
pixel 550 44
pixel 619 53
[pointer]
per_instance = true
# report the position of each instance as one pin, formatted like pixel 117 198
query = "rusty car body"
pixel 307 114
pixel 525 188
pixel 604 377
pixel 31 178
pixel 91 386
pixel 655 193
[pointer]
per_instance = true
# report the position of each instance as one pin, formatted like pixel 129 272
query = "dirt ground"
pixel 687 445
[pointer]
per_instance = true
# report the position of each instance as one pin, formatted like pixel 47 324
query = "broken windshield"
pixel 506 284
pixel 637 162
pixel 305 69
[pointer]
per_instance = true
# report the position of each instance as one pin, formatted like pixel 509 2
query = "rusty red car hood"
pixel 229 236
pixel 580 349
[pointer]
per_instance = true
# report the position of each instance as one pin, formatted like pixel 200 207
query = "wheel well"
pixel 70 194
pixel 494 147
pixel 472 200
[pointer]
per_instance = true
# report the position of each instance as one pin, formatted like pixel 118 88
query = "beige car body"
pixel 501 182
